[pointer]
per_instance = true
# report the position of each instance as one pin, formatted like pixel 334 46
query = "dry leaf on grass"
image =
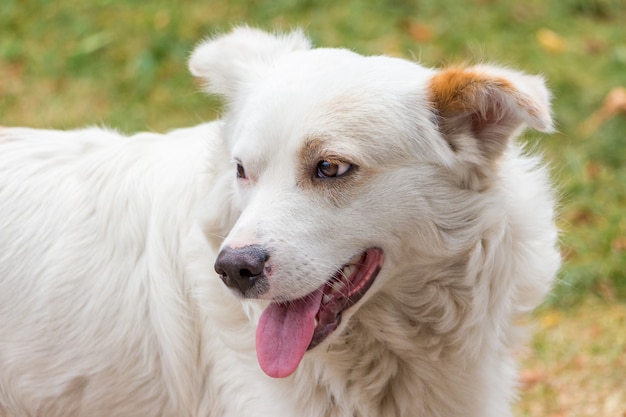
pixel 550 41
pixel 614 104
pixel 420 32
pixel 530 377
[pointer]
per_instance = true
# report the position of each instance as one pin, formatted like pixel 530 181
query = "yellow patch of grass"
pixel 577 367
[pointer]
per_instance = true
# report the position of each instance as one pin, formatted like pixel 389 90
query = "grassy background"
pixel 69 63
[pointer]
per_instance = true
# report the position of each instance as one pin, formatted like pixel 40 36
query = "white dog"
pixel 376 229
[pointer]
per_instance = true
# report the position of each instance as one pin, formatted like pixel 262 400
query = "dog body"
pixel 375 227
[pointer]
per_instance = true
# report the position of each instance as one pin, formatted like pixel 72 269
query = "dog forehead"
pixel 306 83
pixel 337 95
pixel 327 72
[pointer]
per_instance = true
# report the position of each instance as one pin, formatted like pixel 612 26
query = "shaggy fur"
pixel 109 302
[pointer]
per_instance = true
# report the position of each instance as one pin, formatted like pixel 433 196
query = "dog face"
pixel 350 171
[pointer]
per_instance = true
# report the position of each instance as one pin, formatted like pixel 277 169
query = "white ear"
pixel 227 61
pixel 488 105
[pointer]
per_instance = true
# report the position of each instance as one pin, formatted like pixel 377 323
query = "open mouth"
pixel 287 330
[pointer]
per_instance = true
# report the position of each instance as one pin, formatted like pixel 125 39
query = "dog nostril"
pixel 241 268
pixel 246 273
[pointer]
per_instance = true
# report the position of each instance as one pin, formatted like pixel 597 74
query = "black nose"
pixel 242 268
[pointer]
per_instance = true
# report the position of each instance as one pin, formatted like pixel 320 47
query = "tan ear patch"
pixel 480 103
pixel 457 90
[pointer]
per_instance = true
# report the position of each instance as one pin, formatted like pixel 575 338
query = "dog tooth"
pixel 348 270
pixel 339 286
pixel 326 298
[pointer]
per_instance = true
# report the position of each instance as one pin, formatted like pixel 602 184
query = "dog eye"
pixel 241 172
pixel 328 169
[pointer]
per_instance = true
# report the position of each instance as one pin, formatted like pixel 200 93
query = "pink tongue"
pixel 284 333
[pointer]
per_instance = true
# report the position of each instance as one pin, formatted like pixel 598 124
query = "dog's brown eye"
pixel 241 172
pixel 328 169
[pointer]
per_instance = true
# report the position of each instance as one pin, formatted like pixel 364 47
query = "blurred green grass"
pixel 70 63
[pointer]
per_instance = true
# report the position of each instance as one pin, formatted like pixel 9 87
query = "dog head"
pixel 350 171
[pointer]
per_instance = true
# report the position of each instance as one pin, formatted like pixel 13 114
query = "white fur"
pixel 109 305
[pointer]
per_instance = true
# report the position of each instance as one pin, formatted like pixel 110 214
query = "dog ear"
pixel 226 62
pixel 489 104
